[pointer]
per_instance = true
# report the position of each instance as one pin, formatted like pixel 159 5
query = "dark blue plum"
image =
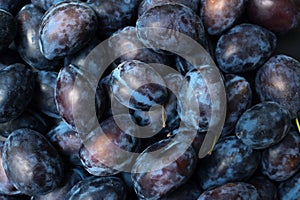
pixel 66 141
pixel 28 119
pixel 6 186
pixel 230 161
pixel 198 88
pixel 96 188
pixel 263 125
pixel 244 47
pixel 279 80
pixel 172 18
pixel 12 6
pixel 163 174
pixel 27 38
pixel 114 15
pixel 125 40
pixel 266 189
pixel 46 4
pixel 17 88
pixel 8 29
pixel 66 28
pixel 237 190
pixel 72 177
pixel 43 99
pixel 137 85
pixel 31 163
pixel 147 4
pixel 239 99
pixel 281 161
pixel 290 189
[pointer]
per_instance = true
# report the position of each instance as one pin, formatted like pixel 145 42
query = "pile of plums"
pixel 116 99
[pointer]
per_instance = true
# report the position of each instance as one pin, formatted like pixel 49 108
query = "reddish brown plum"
pixel 147 4
pixel 65 29
pixel 266 189
pixel 279 16
pixel 31 163
pixel 263 125
pixel 153 183
pixel 244 47
pixel 220 15
pixel 76 99
pixel 279 80
pixel 99 152
pixel 96 188
pixel 137 85
pixel 230 161
pixel 239 98
pixel 234 191
pixel 281 161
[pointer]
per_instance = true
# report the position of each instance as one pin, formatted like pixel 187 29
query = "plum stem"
pixel 298 124
pixel 163 116
pixel 213 145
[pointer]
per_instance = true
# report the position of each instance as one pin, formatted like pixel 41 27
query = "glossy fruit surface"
pixel 281 161
pixel 8 29
pixel 266 188
pixel 153 183
pixel 27 38
pixel 147 4
pixel 220 15
pixel 239 99
pixel 278 16
pixel 137 85
pixel 172 18
pixel 114 15
pixel 230 161
pixel 263 125
pixel 44 90
pixel 239 190
pixel 100 151
pixel 17 87
pixel 31 162
pixel 290 188
pixel 66 28
pixel 244 48
pixel 279 80
pixel 98 188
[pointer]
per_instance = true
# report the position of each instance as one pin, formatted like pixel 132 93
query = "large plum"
pixel 279 80
pixel 66 28
pixel 31 163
